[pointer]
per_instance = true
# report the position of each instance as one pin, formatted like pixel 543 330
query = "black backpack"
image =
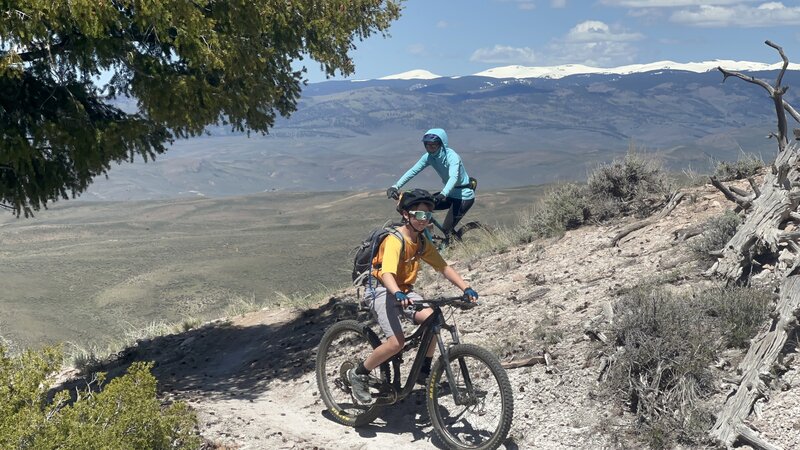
pixel 362 263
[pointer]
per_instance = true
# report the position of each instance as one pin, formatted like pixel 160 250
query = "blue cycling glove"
pixel 400 296
pixel 470 293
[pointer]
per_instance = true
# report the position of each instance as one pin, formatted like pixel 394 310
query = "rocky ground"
pixel 251 378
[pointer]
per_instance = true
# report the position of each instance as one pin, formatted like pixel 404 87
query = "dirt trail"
pixel 251 378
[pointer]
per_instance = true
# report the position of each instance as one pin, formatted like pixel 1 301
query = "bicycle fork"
pixel 468 395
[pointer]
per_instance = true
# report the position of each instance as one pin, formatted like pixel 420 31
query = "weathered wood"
pixel 756 370
pixel 767 213
pixel 513 364
pixel 673 202
pixel 685 233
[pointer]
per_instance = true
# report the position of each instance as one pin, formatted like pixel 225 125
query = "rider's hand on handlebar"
pixel 470 295
pixel 403 299
pixel 439 198
pixel 392 192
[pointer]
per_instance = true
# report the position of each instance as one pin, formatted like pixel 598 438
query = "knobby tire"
pixel 344 345
pixel 485 422
pixel 469 226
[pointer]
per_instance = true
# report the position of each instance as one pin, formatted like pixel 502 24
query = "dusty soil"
pixel 251 378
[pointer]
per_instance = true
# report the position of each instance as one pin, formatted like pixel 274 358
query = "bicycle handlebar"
pixel 458 302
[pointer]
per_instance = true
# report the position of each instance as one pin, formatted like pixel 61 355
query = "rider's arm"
pixel 453 171
pixel 453 277
pixel 413 171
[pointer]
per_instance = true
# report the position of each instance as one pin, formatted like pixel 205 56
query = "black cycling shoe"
pixel 359 385
pixel 422 378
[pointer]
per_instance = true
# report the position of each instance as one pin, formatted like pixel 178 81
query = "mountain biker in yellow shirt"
pixel 394 296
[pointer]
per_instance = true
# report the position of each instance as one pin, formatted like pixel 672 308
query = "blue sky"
pixel 462 37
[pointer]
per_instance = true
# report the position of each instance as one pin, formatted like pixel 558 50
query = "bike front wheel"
pixel 477 414
pixel 343 346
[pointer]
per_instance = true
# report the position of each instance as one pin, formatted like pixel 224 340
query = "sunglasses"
pixel 432 145
pixel 421 215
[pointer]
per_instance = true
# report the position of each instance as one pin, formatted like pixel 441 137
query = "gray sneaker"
pixel 359 385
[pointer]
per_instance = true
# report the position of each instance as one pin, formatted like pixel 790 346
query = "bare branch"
pixel 742 201
pixel 753 185
pixel 748 78
pixel 783 57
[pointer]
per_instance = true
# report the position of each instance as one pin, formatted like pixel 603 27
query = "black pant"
pixel 458 209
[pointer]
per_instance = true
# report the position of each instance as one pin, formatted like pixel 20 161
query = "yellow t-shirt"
pixel 405 272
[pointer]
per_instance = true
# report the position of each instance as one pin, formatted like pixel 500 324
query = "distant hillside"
pixel 362 135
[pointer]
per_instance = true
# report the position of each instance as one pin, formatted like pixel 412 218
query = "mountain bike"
pixel 469 398
pixel 435 231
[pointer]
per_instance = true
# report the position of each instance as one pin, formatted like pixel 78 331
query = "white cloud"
pixel 672 3
pixel 442 24
pixel 558 3
pixel 503 54
pixel 596 31
pixel 765 15
pixel 594 43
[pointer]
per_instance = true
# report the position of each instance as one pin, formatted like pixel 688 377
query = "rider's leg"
pixel 425 372
pixel 458 209
pixel 387 312
pixel 383 352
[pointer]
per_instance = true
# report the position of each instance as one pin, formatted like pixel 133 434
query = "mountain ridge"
pixel 509 132
pixel 564 70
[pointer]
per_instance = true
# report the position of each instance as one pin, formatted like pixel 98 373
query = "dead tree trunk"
pixel 773 207
pixel 770 230
pixel 757 371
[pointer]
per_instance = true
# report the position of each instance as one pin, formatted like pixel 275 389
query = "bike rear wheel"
pixel 343 346
pixel 483 420
pixel 472 231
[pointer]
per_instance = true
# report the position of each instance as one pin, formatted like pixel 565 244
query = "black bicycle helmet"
pixel 428 138
pixel 409 199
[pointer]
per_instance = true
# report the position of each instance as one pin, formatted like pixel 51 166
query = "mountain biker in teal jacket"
pixel 456 195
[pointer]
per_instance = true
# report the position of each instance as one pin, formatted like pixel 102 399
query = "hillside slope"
pixel 251 378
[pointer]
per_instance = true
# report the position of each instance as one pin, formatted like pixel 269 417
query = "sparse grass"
pixel 302 301
pixel 747 165
pixel 717 231
pixel 479 243
pixel 240 305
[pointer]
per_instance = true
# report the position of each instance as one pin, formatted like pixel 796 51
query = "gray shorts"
pixel 387 310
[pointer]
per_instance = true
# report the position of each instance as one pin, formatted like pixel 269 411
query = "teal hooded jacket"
pixel 447 164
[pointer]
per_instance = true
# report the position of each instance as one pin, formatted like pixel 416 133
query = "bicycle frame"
pixel 423 337
pixel 444 238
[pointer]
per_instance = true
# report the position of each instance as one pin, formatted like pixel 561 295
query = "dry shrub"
pixel 717 231
pixel 635 185
pixel 662 369
pixel 566 207
pixel 747 166
pixel 667 343
pixel 739 312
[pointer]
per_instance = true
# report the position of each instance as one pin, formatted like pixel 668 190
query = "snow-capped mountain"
pixel 555 72
pixel 515 125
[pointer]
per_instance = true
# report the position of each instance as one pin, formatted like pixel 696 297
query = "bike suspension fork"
pixel 457 395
